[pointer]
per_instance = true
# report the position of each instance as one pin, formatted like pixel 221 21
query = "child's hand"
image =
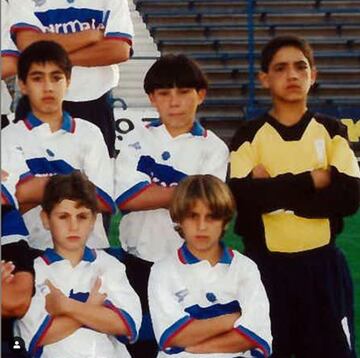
pixel 95 297
pixel 259 172
pixel 7 268
pixel 321 178
pixel 56 301
pixel 4 175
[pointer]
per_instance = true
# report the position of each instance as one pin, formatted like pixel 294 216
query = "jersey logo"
pixel 161 174
pixel 211 297
pixel 180 295
pixel 320 150
pixel 135 145
pixel 39 2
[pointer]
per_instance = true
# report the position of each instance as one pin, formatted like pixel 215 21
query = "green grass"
pixel 348 241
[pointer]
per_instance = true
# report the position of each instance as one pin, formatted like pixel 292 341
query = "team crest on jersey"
pixel 39 2
pixel 180 295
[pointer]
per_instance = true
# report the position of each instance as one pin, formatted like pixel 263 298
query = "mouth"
pixel 201 237
pixel 73 238
pixel 48 99
pixel 293 88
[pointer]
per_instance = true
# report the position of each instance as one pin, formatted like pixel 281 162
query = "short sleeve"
pixel 167 315
pixel 121 297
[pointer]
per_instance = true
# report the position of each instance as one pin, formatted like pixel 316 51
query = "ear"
pixel 264 79
pixel 22 87
pixel 201 95
pixel 45 219
pixel 152 99
pixel 313 75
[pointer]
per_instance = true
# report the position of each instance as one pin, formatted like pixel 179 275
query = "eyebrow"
pixel 58 72
pixel 286 63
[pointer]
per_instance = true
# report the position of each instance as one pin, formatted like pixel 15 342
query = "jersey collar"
pixel 197 129
pixel 187 258
pixel 50 256
pixel 68 123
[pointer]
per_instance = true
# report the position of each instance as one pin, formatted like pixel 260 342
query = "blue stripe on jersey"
pixel 118 35
pixel 171 332
pixel 7 197
pixel 216 310
pixel 10 53
pixel 262 345
pixel 12 223
pixel 161 174
pixel 106 200
pixel 71 19
pixel 131 193
pixel 49 167
pixel 128 322
pixel 34 349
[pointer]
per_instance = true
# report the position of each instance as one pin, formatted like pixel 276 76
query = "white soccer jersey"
pixel 182 288
pixel 76 282
pixel 148 156
pixel 78 145
pixel 60 16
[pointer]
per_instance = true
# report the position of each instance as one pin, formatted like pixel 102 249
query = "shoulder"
pixel 243 264
pixel 246 131
pixel 213 140
pixel 107 261
pixel 332 125
pixel 164 268
pixel 81 125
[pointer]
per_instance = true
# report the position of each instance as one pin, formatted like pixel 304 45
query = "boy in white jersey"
pixel 157 156
pixel 206 300
pixel 84 305
pixel 52 142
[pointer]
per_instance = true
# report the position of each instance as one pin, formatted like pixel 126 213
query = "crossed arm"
pixel 86 48
pixel 69 315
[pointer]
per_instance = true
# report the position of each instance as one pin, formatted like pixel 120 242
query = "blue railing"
pixel 251 58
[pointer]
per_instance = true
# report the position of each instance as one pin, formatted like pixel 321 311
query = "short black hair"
pixel 174 71
pixel 75 186
pixel 277 43
pixel 42 52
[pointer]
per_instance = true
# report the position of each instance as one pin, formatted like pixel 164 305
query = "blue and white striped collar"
pixel 196 130
pixel 187 258
pixel 68 123
pixel 50 256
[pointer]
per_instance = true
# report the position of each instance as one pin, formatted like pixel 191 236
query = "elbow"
pixel 17 307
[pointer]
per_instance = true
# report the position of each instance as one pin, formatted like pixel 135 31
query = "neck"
pixel 288 114
pixel 54 120
pixel 212 256
pixel 73 256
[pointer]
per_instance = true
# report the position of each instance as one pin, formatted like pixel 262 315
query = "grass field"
pixel 349 241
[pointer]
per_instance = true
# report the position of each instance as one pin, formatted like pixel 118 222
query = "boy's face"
pixel 45 85
pixel 70 226
pixel 177 107
pixel 202 231
pixel 290 76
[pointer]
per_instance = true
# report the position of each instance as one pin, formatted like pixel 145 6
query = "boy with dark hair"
pixel 157 156
pixel 84 304
pixel 205 299
pixel 294 178
pixel 51 141
pixel 97 36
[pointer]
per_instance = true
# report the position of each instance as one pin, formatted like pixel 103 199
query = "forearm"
pixel 96 317
pixel 151 198
pixel 266 195
pixel 229 342
pixel 8 66
pixel 16 295
pixel 60 328
pixel 102 53
pixel 200 330
pixel 70 42
pixel 31 191
pixel 340 198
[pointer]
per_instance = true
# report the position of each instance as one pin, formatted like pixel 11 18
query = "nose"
pixel 202 223
pixel 48 85
pixel 292 72
pixel 174 99
pixel 73 224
